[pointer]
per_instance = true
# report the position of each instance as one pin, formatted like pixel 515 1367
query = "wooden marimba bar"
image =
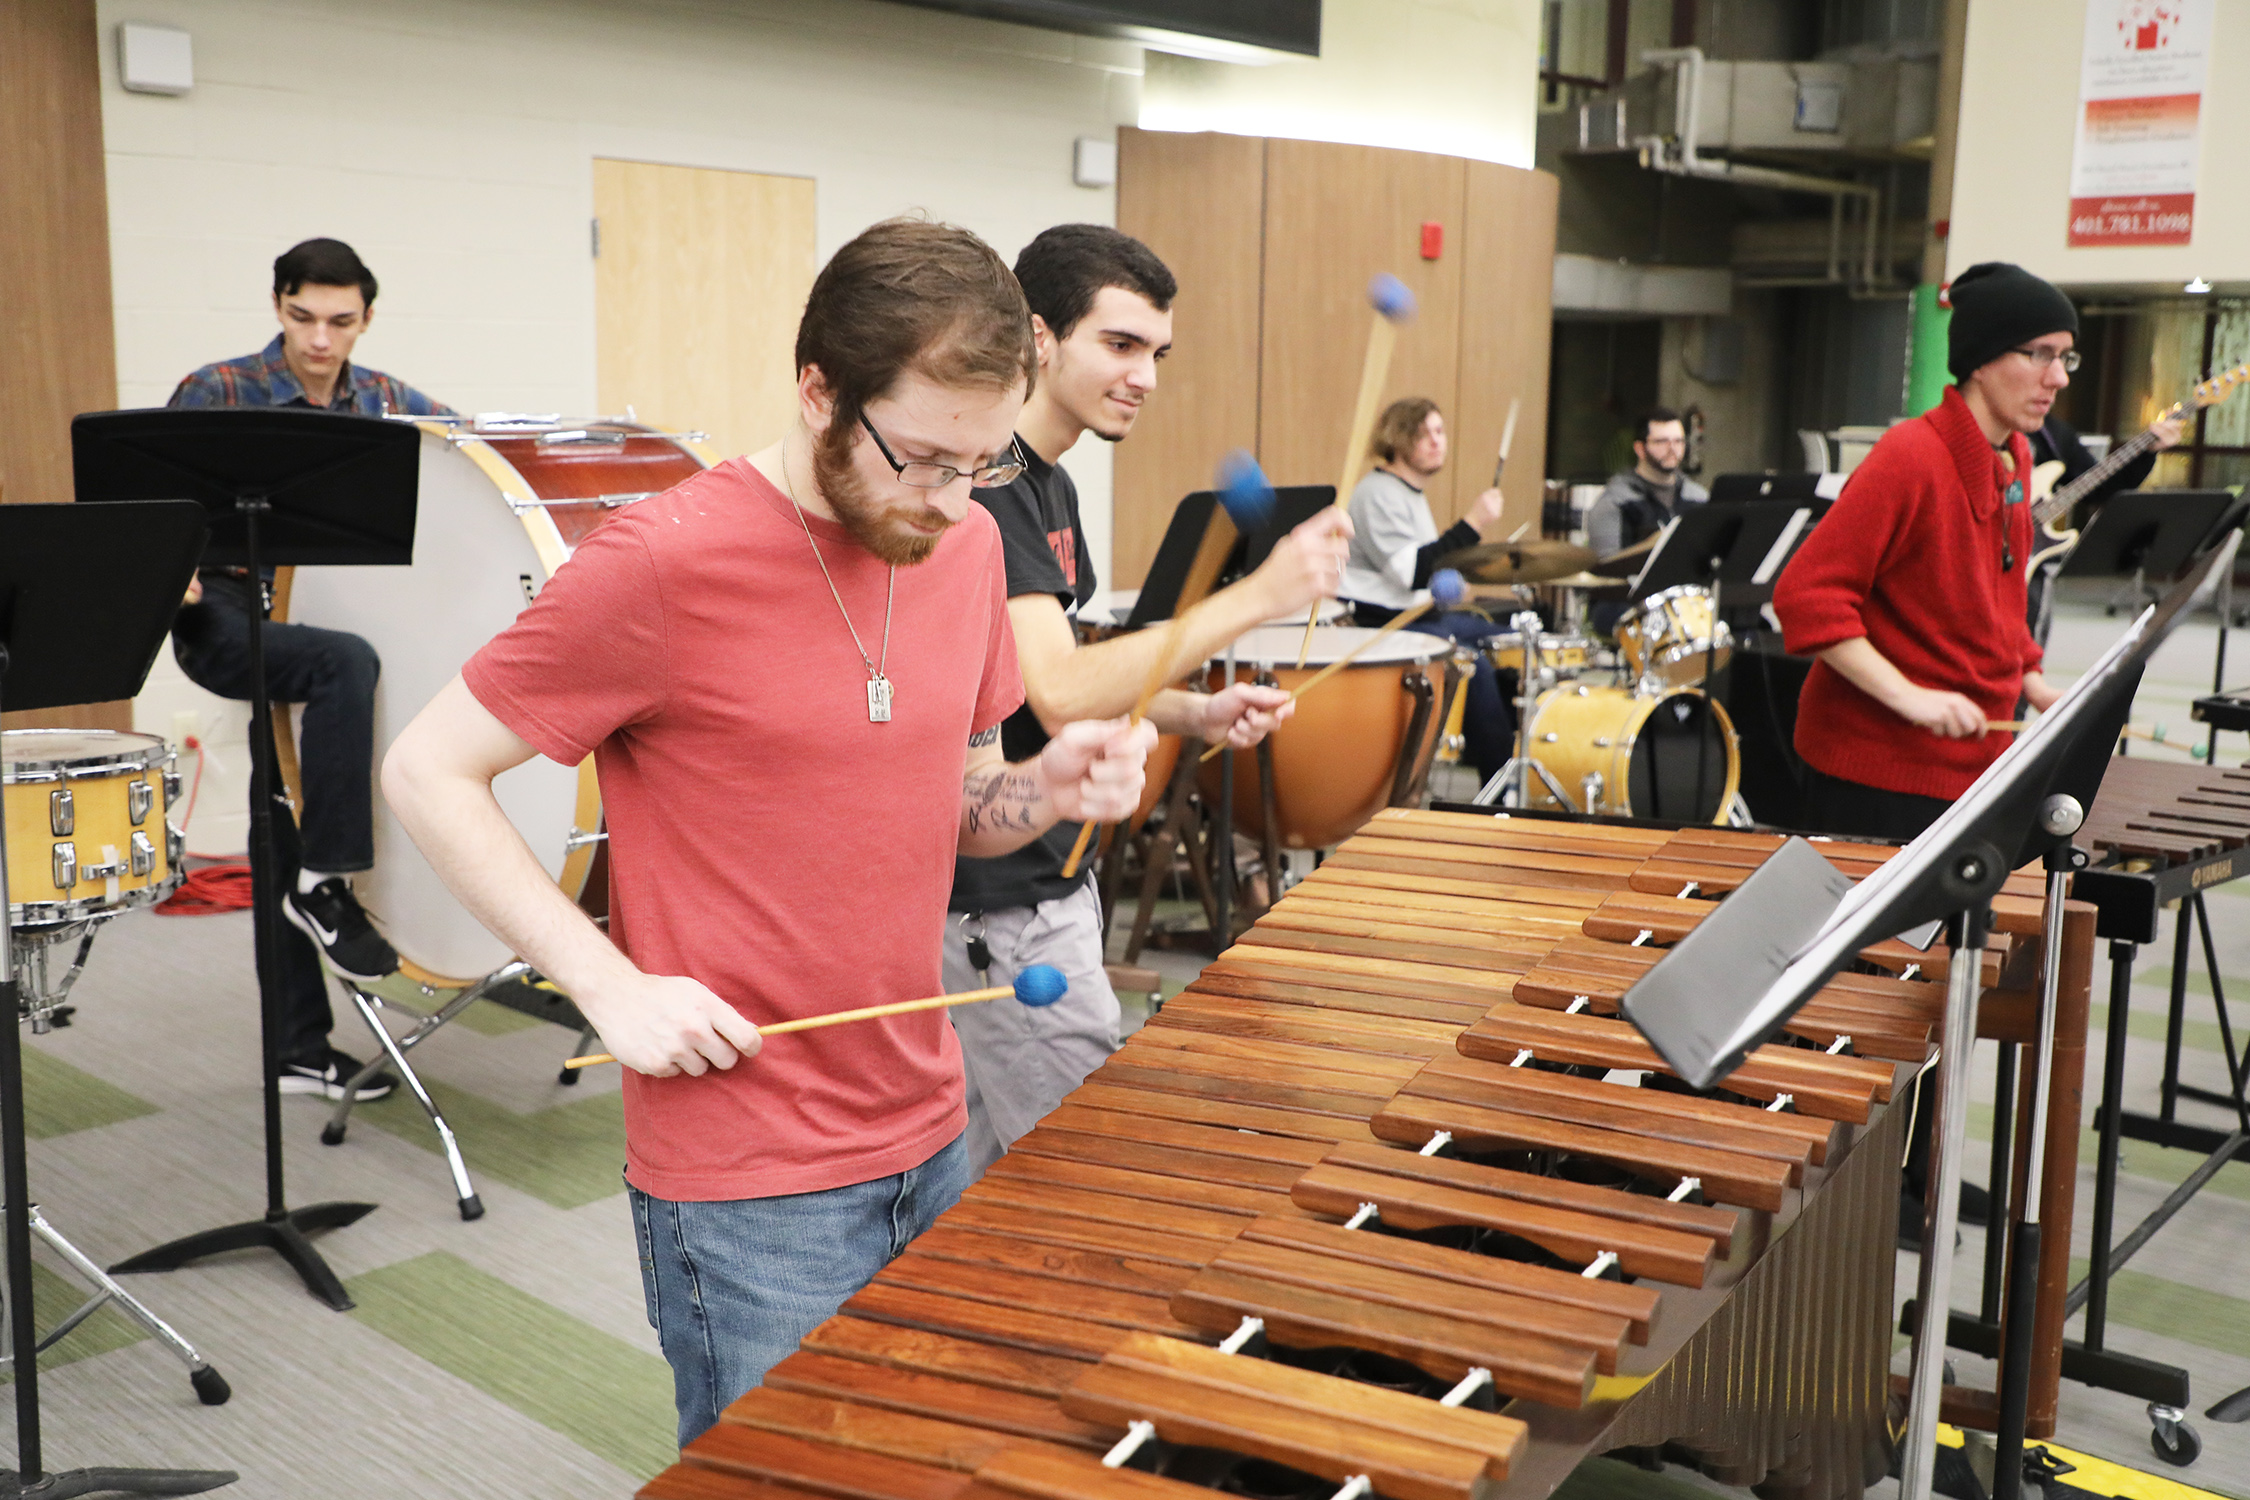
pixel 1388 1201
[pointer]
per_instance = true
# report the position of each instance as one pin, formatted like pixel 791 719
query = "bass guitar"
pixel 2050 505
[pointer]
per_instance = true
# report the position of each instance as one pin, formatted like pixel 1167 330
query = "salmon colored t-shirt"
pixel 764 836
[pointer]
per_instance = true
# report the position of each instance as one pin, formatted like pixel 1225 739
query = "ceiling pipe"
pixel 1679 155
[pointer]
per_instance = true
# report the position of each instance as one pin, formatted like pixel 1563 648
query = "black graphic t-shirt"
pixel 1045 549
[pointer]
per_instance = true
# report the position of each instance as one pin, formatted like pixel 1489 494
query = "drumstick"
pixel 1393 305
pixel 2158 735
pixel 1507 438
pixel 1245 502
pixel 1446 589
pixel 1037 986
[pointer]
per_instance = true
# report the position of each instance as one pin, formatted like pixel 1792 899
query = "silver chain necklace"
pixel 878 684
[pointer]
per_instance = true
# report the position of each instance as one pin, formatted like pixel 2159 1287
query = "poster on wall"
pixel 2140 104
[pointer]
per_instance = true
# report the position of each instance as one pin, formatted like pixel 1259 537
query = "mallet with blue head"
pixel 1038 986
pixel 1393 304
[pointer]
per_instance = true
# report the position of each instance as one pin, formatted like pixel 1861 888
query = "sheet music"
pixel 1783 545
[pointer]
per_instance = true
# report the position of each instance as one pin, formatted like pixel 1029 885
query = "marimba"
pixel 1389 1201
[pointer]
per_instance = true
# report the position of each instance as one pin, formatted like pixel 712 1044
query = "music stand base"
pixel 76 1482
pixel 283 1233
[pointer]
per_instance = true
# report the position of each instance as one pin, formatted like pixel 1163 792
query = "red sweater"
pixel 1911 557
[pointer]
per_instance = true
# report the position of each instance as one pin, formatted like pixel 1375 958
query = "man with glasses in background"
pixel 1642 501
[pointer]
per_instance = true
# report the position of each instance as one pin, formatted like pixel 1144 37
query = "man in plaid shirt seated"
pixel 324 297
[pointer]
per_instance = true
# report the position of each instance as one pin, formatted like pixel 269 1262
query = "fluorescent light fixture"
pixel 2196 286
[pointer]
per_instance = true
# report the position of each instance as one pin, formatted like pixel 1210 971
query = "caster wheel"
pixel 332 1135
pixel 2184 1446
pixel 211 1387
pixel 472 1207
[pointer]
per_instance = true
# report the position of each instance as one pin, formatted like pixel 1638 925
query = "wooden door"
pixel 1197 201
pixel 1507 320
pixel 1336 216
pixel 700 276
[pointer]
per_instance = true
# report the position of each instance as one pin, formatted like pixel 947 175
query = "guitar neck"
pixel 2068 495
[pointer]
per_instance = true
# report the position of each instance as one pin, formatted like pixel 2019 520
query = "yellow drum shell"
pixel 1582 730
pixel 1566 654
pixel 1335 759
pixel 70 801
pixel 1666 638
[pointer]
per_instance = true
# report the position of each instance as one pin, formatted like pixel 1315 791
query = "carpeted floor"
pixel 511 1356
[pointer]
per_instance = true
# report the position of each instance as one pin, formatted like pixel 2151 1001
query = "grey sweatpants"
pixel 1021 1060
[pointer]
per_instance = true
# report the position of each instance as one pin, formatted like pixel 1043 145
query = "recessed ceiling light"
pixel 2197 287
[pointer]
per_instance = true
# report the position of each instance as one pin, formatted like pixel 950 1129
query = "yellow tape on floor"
pixel 2103 1477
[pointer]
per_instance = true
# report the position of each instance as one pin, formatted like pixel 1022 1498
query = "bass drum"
pixel 501 508
pixel 1639 755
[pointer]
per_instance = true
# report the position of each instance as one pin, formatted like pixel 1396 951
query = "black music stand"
pixel 137 561
pixel 1736 550
pixel 283 486
pixel 1739 975
pixel 1183 537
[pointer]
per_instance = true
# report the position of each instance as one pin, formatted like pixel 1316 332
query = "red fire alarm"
pixel 1433 239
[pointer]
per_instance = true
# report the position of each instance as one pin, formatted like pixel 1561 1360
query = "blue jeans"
pixel 733 1286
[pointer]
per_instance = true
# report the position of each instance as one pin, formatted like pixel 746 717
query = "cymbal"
pixel 1585 581
pixel 1533 561
pixel 1627 561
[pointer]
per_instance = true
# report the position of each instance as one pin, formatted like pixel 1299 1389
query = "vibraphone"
pixel 1388 1201
pixel 2162 834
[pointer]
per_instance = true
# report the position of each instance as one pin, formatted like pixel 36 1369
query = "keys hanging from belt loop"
pixel 980 951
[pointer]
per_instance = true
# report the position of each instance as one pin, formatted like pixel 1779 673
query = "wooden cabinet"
pixel 1274 243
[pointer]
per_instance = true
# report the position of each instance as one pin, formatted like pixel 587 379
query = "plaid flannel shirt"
pixel 263 379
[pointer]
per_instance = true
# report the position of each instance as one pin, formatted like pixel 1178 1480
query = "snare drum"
pixel 1565 655
pixel 88 828
pixel 1335 761
pixel 1636 754
pixel 501 509
pixel 1667 637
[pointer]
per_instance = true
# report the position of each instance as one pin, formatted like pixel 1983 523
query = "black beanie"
pixel 1997 307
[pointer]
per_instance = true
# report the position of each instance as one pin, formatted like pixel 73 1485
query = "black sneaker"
pixel 328 1076
pixel 332 917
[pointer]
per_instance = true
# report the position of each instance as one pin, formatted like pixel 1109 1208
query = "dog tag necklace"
pixel 878 684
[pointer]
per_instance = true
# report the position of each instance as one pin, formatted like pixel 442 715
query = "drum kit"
pixel 1649 742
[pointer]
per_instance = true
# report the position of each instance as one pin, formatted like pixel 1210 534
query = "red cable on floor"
pixel 223 885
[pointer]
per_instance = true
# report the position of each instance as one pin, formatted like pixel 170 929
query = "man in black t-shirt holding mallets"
pixel 1101 313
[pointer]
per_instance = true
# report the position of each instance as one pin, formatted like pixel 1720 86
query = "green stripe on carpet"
pixel 2173 1309
pixel 567 1155
pixel 2144 1159
pixel 2148 1026
pixel 1611 1479
pixel 611 1399
pixel 55 1297
pixel 59 1099
pixel 486 1018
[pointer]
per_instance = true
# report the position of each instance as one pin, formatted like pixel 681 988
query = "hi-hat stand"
pixel 1510 786
pixel 137 560
pixel 283 486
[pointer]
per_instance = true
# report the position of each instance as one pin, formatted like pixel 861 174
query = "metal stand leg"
pixel 210 1386
pixel 1510 786
pixel 394 1050
pixel 1934 1293
pixel 2023 1251
pixel 587 1037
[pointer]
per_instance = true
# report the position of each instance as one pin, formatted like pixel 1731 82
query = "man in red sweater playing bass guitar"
pixel 1911 591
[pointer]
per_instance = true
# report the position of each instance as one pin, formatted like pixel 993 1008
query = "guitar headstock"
pixel 2221 386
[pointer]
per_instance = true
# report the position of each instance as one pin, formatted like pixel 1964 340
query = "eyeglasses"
pixel 932 476
pixel 2041 358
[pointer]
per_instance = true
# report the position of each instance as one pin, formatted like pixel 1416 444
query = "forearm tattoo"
pixel 984 737
pixel 1002 799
